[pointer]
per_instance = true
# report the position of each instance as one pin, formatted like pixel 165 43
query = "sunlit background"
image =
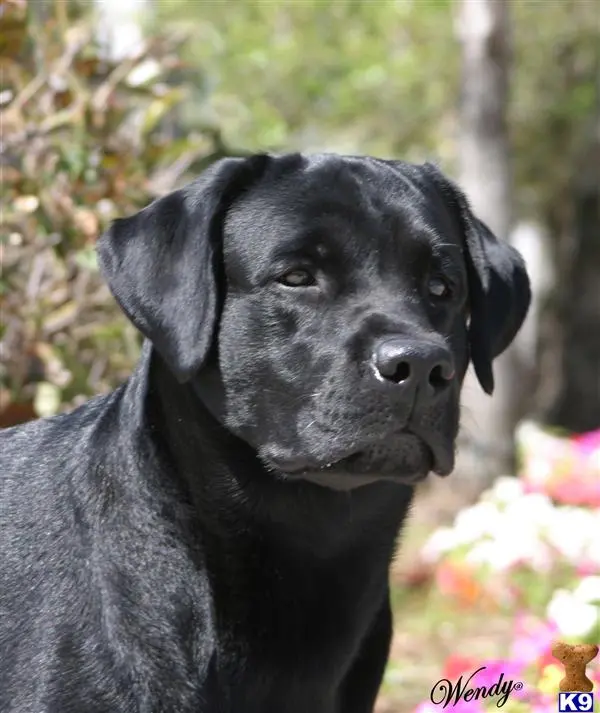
pixel 108 104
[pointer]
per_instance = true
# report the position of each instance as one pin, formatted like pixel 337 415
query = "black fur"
pixel 215 535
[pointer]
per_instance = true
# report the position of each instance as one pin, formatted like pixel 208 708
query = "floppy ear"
pixel 163 264
pixel 499 290
pixel 500 296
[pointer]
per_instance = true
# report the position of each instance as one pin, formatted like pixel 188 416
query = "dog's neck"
pixel 185 426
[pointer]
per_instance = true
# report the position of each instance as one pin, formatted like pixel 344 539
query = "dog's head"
pixel 341 299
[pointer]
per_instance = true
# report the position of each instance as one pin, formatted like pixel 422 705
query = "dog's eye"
pixel 439 288
pixel 297 278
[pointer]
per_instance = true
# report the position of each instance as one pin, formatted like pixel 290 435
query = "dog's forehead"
pixel 336 202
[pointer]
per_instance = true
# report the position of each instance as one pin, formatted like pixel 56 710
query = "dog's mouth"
pixel 407 459
pixel 441 450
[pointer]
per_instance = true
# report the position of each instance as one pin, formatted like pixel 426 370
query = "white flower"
pixel 588 590
pixel 535 509
pixel 572 616
pixel 529 431
pixel 501 554
pixel 494 554
pixel 506 489
pixel 536 554
pixel 539 470
pixel 482 553
pixel 591 553
pixel 568 542
pixel 476 522
pixel 573 532
pixel 440 541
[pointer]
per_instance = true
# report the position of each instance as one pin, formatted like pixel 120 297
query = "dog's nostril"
pixel 439 377
pixel 401 373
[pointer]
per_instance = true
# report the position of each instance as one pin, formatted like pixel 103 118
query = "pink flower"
pixel 588 443
pixel 546 659
pixel 585 569
pixel 426 707
pixel 511 670
pixel 533 638
pixel 577 491
pixel 460 707
pixel 564 467
pixel 472 706
pixel 468 707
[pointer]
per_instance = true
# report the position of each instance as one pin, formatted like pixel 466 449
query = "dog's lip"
pixel 442 457
pixel 293 469
pixel 327 474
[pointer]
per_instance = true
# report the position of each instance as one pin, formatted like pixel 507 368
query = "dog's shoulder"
pixel 83 540
pixel 42 447
pixel 44 465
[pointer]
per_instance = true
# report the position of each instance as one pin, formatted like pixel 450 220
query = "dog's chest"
pixel 290 645
pixel 255 681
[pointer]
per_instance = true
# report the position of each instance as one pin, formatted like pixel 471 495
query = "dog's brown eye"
pixel 297 278
pixel 439 288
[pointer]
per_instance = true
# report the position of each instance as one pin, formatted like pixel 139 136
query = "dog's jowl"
pixel 215 535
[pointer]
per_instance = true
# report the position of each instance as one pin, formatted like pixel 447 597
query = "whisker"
pixel 448 245
pixel 301 397
pixel 308 425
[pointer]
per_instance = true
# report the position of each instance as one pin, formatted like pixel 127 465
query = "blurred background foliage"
pixel 83 142
pixel 312 74
pixel 89 134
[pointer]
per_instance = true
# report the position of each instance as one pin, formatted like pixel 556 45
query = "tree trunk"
pixel 485 175
pixel 574 384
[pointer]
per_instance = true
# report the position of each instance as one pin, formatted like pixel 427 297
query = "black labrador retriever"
pixel 214 536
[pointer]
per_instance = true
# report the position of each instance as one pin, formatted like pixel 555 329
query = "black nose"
pixel 417 364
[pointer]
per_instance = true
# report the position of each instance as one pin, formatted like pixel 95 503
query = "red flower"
pixel 546 659
pixel 456 665
pixel 458 581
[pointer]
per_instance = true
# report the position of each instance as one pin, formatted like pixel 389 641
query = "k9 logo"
pixel 575 702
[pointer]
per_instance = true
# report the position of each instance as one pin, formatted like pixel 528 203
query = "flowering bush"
pixel 84 139
pixel 565 468
pixel 530 663
pixel 497 549
pixel 529 547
